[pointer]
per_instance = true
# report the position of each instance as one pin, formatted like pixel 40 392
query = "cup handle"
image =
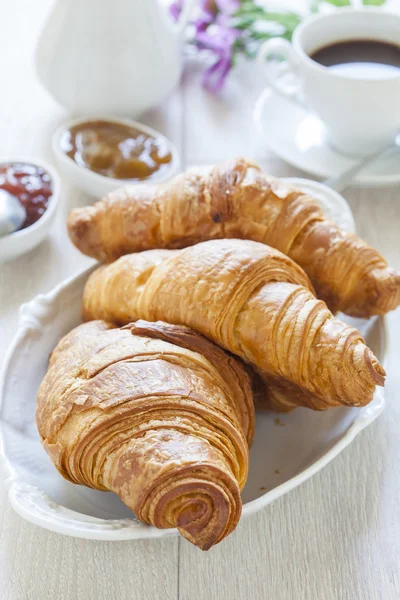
pixel 284 79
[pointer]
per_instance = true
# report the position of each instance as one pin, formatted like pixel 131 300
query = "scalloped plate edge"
pixel 35 506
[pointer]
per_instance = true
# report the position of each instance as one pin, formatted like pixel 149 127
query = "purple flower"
pixel 215 6
pixel 214 77
pixel 175 9
pixel 228 6
pixel 211 22
pixel 202 21
pixel 203 16
pixel 220 42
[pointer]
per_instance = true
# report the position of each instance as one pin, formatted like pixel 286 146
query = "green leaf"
pixel 242 20
pixel 339 2
pixel 373 2
pixel 262 36
pixel 315 4
pixel 249 7
pixel 288 20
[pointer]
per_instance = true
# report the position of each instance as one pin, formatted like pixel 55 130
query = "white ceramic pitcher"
pixel 117 57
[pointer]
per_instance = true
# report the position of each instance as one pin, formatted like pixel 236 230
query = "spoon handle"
pixel 344 179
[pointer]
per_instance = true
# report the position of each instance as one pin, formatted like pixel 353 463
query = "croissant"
pixel 157 414
pixel 237 200
pixel 253 301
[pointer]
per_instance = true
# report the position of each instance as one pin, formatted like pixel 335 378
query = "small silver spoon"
pixel 12 213
pixel 344 179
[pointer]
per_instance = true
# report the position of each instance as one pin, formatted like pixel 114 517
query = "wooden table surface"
pixel 338 535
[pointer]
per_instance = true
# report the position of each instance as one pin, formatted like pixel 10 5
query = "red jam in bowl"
pixel 32 186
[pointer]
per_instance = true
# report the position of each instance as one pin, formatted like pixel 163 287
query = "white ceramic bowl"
pixel 98 185
pixel 18 243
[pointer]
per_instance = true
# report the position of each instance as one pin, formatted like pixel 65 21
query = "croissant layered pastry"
pixel 237 200
pixel 253 301
pixel 157 414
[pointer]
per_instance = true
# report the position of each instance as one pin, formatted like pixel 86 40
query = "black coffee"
pixel 360 58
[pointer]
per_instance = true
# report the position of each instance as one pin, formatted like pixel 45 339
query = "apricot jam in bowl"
pixel 99 155
pixel 36 186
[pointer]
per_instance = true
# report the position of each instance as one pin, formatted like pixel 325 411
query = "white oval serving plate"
pixel 287 450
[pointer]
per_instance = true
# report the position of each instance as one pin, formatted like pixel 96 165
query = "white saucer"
pixel 299 138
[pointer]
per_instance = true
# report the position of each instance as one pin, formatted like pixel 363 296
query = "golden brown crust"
pixel 156 414
pixel 237 200
pixel 253 301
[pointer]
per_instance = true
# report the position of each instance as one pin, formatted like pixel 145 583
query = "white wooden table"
pixel 338 536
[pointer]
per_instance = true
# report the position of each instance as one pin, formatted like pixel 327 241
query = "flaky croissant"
pixel 237 200
pixel 157 414
pixel 253 301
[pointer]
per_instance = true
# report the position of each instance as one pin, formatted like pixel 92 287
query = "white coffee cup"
pixel 361 115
